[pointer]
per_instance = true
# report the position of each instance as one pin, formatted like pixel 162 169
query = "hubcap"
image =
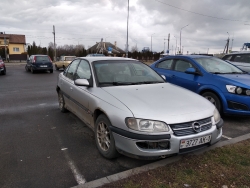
pixel 211 99
pixel 103 136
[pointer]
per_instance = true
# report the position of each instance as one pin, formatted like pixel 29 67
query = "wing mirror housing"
pixel 192 70
pixel 82 82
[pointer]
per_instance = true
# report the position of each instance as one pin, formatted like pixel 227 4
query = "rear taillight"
pixel 50 59
pixel 34 60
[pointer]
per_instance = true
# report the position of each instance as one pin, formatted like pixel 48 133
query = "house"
pixel 15 45
pixel 107 48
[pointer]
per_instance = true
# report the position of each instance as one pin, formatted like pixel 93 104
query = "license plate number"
pixel 195 141
pixel 43 66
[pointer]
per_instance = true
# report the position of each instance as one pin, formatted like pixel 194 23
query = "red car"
pixel 2 67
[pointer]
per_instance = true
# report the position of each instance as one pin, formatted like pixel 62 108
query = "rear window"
pixel 69 58
pixel 42 58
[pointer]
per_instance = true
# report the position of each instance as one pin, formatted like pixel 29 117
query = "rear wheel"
pixel 61 102
pixel 64 67
pixel 4 71
pixel 56 67
pixel 104 138
pixel 32 70
pixel 213 99
pixel 51 71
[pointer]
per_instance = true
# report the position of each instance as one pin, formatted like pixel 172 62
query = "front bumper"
pixel 127 143
pixel 236 104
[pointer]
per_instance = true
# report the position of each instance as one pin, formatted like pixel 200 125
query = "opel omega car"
pixel 133 111
pixel 223 84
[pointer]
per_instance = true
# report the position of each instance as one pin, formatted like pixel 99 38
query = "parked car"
pixel 222 83
pixel 95 55
pixel 240 59
pixel 39 63
pixel 63 62
pixel 2 67
pixel 133 111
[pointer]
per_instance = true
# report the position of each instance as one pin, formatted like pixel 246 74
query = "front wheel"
pixel 61 102
pixel 213 99
pixel 104 139
pixel 56 67
pixel 26 68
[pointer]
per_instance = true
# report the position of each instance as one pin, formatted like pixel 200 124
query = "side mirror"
pixel 81 82
pixel 191 70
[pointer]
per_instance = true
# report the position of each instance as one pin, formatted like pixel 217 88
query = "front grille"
pixel 184 129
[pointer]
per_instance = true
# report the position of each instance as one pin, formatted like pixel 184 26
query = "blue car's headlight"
pixel 238 90
pixel 145 125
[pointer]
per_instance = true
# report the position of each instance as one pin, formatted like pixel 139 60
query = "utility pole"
pixel 127 31
pixel 168 41
pixel 54 33
pixel 5 47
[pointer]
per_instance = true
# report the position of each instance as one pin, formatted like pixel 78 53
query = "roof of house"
pixel 17 39
pixel 105 46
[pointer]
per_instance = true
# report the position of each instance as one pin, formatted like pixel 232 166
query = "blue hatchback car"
pixel 222 83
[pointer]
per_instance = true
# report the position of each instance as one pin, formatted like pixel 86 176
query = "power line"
pixel 200 13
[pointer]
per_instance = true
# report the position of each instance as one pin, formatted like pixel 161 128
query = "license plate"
pixel 43 66
pixel 195 141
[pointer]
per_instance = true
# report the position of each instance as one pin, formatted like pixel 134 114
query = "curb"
pixel 164 162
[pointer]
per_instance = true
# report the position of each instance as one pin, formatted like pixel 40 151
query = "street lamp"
pixel 127 31
pixel 151 41
pixel 180 36
pixel 175 45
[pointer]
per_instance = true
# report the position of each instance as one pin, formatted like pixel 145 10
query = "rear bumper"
pixel 37 68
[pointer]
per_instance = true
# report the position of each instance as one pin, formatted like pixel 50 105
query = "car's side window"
pixel 227 57
pixel 182 65
pixel 72 69
pixel 83 70
pixel 242 58
pixel 166 64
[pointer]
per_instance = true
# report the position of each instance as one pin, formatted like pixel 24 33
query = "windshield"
pixel 217 66
pixel 123 72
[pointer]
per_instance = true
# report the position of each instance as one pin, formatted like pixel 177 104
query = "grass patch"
pixel 228 165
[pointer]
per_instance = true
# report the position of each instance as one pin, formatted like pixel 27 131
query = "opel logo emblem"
pixel 196 126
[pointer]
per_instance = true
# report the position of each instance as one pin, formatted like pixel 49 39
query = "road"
pixel 42 147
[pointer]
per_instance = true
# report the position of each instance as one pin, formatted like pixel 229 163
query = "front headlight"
pixel 216 115
pixel 237 90
pixel 145 125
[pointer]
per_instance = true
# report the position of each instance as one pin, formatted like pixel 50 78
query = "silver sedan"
pixel 133 111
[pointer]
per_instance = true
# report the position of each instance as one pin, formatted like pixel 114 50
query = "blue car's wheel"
pixel 213 99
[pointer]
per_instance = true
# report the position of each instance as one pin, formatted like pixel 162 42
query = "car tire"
pixel 32 70
pixel 51 71
pixel 104 138
pixel 61 102
pixel 56 67
pixel 26 68
pixel 213 98
pixel 4 71
pixel 63 67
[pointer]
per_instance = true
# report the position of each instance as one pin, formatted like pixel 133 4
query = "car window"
pixel 42 58
pixel 242 58
pixel 166 64
pixel 72 69
pixel 83 70
pixel 69 58
pixel 227 57
pixel 216 65
pixel 182 65
pixel 122 72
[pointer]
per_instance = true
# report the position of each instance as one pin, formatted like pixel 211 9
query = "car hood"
pixel 240 78
pixel 165 102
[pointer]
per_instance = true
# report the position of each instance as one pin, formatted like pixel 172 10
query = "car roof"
pixel 103 58
pixel 241 52
pixel 189 56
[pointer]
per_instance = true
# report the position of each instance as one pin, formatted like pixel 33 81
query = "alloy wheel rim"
pixel 103 136
pixel 211 99
pixel 60 101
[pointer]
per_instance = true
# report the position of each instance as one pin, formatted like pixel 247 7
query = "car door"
pixel 183 79
pixel 81 95
pixel 67 85
pixel 164 67
pixel 242 61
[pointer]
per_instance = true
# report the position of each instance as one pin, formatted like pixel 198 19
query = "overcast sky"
pixel 86 22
